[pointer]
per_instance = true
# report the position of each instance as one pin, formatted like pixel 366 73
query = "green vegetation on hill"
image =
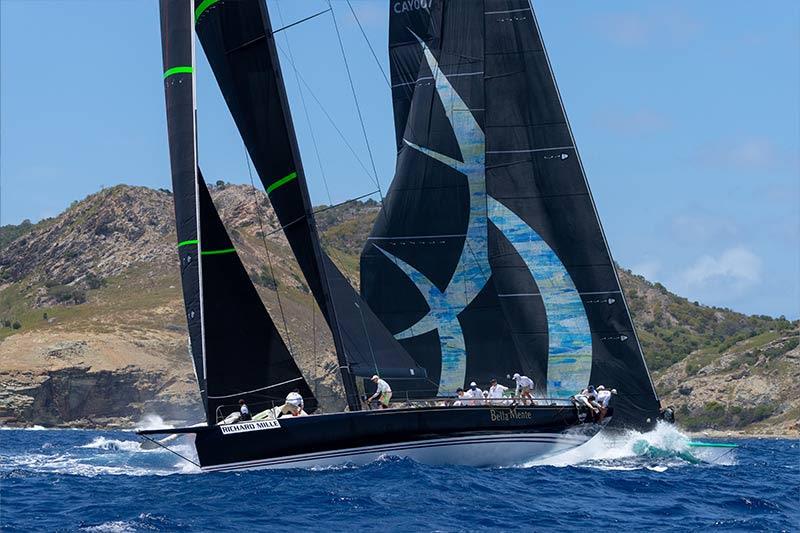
pixel 12 232
pixel 671 327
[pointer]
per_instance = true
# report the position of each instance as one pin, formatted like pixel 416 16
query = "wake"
pixel 656 450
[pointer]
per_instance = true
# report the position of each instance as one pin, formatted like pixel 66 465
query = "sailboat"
pixel 487 257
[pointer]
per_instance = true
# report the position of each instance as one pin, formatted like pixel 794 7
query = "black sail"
pixel 237 350
pixel 238 42
pixel 493 259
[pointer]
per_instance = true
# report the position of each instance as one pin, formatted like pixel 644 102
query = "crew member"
pixel 459 398
pixel 243 411
pixel 294 403
pixel 496 391
pixel 524 387
pixel 383 393
pixel 603 399
pixel 474 394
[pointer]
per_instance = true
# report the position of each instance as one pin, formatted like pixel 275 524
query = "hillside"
pixel 92 328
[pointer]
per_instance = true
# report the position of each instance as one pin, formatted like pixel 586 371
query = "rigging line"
pixel 369 44
pixel 303 217
pixel 170 450
pixel 328 116
pixel 303 100
pixel 297 22
pixel 355 99
pixel 259 215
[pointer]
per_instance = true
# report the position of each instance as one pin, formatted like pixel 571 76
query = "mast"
pixel 177 36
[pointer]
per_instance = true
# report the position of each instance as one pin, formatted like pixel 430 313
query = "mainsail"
pixel 489 257
pixel 237 351
pixel 238 41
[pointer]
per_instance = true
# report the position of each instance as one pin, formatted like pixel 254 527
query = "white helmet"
pixel 516 376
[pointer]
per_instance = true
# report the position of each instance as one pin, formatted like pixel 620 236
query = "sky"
pixel 686 115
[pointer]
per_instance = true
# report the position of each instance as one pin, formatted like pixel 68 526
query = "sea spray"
pixel 664 446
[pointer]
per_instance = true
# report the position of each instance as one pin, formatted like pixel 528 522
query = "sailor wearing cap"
pixel 383 393
pixel 524 387
pixel 474 394
pixel 603 397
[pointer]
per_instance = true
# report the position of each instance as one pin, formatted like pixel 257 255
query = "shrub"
pixel 16 325
pixel 264 278
pixel 93 281
pixel 67 294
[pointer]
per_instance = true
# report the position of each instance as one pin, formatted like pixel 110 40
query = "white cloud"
pixel 737 266
pixel 748 153
pixel 638 122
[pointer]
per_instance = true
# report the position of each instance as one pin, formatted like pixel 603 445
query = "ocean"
pixel 81 480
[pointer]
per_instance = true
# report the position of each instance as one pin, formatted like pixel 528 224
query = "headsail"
pixel 237 351
pixel 237 39
pixel 491 257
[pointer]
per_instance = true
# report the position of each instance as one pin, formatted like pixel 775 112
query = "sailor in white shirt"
pixel 474 394
pixel 524 387
pixel 384 392
pixel 459 398
pixel 496 392
pixel 603 397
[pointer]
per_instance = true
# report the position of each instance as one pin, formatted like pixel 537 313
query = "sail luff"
pixel 594 205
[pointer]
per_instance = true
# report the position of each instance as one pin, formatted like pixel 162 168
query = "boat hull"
pixel 474 436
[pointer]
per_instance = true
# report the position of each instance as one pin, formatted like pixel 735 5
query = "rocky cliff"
pixel 92 329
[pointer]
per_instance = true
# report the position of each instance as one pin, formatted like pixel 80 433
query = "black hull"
pixel 450 435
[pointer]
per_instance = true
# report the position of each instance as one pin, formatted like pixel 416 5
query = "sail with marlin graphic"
pixel 489 253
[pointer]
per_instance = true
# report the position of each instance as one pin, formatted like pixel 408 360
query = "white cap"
pixel 613 391
pixel 473 384
pixel 600 387
pixel 516 376
pixel 373 378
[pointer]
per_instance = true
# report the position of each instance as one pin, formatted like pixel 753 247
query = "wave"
pixel 657 450
pixel 102 443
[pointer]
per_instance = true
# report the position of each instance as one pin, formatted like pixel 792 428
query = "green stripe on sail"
pixel 178 70
pixel 281 182
pixel 218 252
pixel 187 243
pixel 205 4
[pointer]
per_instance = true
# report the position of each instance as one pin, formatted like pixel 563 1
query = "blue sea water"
pixel 78 480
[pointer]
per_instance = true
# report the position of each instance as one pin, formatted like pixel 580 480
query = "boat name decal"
pixel 505 415
pixel 244 427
